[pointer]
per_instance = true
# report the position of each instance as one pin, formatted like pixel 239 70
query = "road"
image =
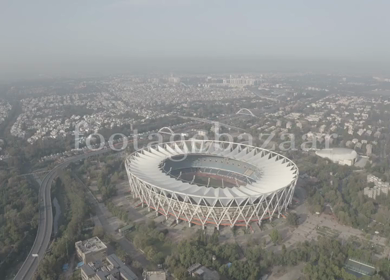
pixel 103 215
pixel 45 226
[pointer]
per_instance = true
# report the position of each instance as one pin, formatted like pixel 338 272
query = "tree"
pixel 98 231
pixel 121 253
pixel 181 273
pixel 161 236
pixel 275 236
pixel 158 258
pixel 293 219
pixel 136 264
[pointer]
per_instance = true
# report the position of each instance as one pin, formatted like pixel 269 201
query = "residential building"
pixel 111 268
pixel 155 275
pixel 91 250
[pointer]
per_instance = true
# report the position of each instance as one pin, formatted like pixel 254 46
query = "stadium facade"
pixel 212 182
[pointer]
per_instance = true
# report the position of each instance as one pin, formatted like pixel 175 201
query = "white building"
pixel 341 156
pixel 379 188
pixel 91 250
pixel 368 149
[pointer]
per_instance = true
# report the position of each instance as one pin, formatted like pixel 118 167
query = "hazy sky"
pixel 47 30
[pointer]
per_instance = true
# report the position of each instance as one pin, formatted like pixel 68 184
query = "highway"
pixel 45 226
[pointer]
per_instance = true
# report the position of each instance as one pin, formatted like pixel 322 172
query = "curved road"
pixel 45 225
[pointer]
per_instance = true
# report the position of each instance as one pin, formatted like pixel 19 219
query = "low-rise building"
pixel 368 149
pixel 202 272
pixel 91 250
pixel 155 275
pixel 111 268
pixel 341 156
pixel 379 188
pixel 359 268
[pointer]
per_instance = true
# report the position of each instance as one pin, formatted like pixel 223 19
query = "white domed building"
pixel 342 156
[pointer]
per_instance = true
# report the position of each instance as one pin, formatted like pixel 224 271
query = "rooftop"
pixel 93 244
pixel 155 275
pixel 337 154
pixel 111 268
pixel 360 268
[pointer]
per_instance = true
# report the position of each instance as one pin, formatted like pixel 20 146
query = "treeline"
pixel 18 219
pixel 325 259
pixel 151 241
pixel 63 246
pixel 109 175
pixel 340 189
pixel 118 212
pixel 207 251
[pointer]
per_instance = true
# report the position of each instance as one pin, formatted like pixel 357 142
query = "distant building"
pixel 368 149
pixel 112 268
pixel 202 272
pixel 193 268
pixel 377 134
pixel 341 156
pixel 128 227
pixel 349 144
pixel 379 188
pixel 174 80
pixel 91 250
pixel 377 181
pixel 241 81
pixel 358 145
pixel 202 132
pixel 359 268
pixel 155 275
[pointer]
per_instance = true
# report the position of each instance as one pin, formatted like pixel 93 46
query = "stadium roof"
pixel 337 154
pixel 278 171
